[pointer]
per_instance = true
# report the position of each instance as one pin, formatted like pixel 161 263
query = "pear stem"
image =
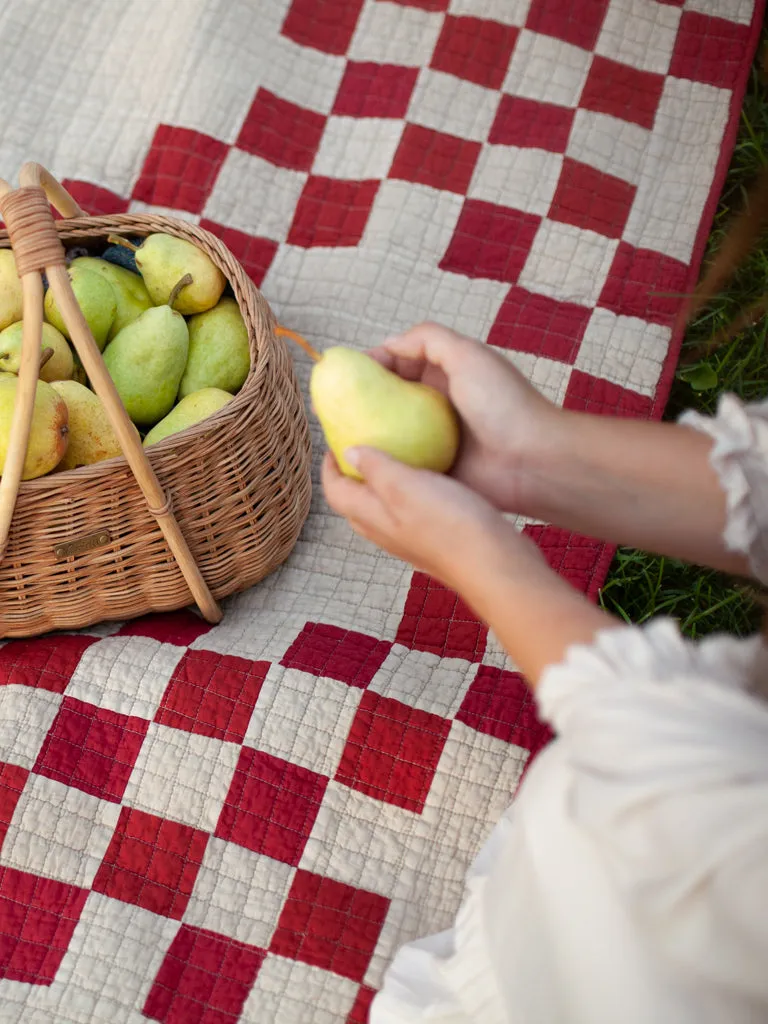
pixel 284 332
pixel 179 287
pixel 117 240
pixel 46 354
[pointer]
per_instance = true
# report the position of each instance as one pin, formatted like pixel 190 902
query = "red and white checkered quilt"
pixel 244 822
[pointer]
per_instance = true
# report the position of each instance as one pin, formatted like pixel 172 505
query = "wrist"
pixel 541 463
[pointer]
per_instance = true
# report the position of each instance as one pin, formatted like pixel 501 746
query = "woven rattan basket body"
pixel 83 546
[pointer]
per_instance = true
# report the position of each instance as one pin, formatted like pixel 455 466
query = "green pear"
pixel 190 410
pixel 91 435
pixel 146 361
pixel 359 402
pixel 163 260
pixel 48 434
pixel 219 354
pixel 131 295
pixel 10 290
pixel 60 364
pixel 95 297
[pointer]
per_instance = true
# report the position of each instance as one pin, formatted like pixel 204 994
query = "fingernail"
pixel 352 456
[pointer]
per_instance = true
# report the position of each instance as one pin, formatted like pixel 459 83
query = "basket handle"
pixel 37 247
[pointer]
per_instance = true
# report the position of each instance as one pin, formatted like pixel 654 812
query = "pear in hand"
pixel 162 260
pixel 219 356
pixel 360 402
pixel 131 295
pixel 95 297
pixel 10 290
pixel 146 361
pixel 60 363
pixel 48 433
pixel 91 437
pixel 192 409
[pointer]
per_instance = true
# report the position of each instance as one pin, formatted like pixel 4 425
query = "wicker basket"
pixel 200 515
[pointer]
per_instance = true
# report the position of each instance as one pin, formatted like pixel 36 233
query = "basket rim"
pixel 146 224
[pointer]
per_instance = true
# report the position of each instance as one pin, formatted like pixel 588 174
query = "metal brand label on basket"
pixel 77 547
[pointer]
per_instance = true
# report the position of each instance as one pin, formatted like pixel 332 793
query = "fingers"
pixel 433 344
pixel 350 498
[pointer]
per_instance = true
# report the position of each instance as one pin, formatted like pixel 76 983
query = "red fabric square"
pixel 588 198
pixel 392 751
pixel 591 394
pixel 212 694
pixel 622 91
pixel 204 978
pixel 490 241
pixel 375 90
pixel 528 322
pixel 332 212
pixel 91 749
pixel 531 125
pixel 281 132
pixel 271 806
pixel 325 25
pixel 46 663
pixel 475 49
pixel 152 863
pixel 645 284
pixel 427 157
pixel 37 919
pixel 709 49
pixel 181 168
pixel 499 703
pixel 330 925
pixel 436 620
pixel 359 1012
pixel 95 200
pixel 335 653
pixel 572 556
pixel 179 628
pixel 12 781
pixel 575 21
pixel 254 253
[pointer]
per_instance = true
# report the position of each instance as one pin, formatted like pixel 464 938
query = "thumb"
pixel 381 472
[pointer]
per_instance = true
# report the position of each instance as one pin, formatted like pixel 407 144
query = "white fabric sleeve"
pixel 668 757
pixel 739 456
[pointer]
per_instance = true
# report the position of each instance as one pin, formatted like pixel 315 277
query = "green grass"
pixel 640 585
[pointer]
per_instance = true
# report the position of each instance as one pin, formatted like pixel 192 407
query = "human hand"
pixel 435 523
pixel 505 421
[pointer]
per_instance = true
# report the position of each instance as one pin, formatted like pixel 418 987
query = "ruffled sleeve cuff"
pixel 739 456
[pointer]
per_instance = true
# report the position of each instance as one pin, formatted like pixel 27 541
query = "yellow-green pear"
pixel 10 290
pixel 49 431
pixel 190 410
pixel 95 297
pixel 91 436
pixel 359 402
pixel 146 361
pixel 131 295
pixel 219 356
pixel 59 366
pixel 163 260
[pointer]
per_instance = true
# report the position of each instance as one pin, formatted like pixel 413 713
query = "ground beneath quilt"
pixel 245 822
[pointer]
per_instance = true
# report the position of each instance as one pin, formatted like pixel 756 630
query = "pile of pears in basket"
pixel 175 346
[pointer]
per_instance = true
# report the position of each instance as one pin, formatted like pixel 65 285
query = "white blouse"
pixel 628 882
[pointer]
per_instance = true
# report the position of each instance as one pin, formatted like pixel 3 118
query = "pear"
pixel 49 431
pixel 60 364
pixel 360 402
pixel 91 436
pixel 190 410
pixel 162 260
pixel 219 355
pixel 146 361
pixel 95 297
pixel 10 290
pixel 131 295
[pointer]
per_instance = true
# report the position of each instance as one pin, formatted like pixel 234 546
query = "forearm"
pixel 534 613
pixel 649 485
